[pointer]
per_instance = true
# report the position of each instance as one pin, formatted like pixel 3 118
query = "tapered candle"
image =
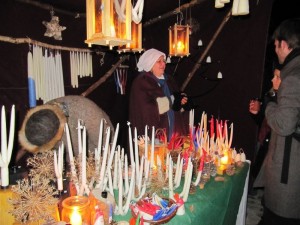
pixel 190 171
pixel 212 127
pixel 231 135
pixel 103 166
pixel 79 127
pixel 71 157
pixel 130 144
pixel 100 135
pixel 152 148
pixel 178 181
pixel 146 142
pixel 58 166
pixel 120 187
pixel 83 163
pixel 171 191
pixel 126 175
pixel 115 180
pixel 140 178
pixel 136 153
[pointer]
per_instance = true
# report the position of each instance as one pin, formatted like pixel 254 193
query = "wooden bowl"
pixel 161 221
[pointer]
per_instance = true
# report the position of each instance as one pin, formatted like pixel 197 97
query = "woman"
pixel 155 99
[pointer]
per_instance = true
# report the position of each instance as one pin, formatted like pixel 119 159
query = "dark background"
pixel 243 52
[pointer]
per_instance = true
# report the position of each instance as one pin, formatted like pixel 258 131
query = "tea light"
pixel 76 210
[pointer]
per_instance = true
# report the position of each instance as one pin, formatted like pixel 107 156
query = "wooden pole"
pixel 104 77
pixel 199 62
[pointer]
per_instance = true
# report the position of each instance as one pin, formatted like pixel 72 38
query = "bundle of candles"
pixel 126 184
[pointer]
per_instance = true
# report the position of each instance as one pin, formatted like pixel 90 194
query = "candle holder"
pixel 76 210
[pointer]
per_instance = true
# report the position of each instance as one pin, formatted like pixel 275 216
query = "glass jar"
pixel 76 210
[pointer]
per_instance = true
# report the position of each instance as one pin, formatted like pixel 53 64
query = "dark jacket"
pixel 284 198
pixel 143 107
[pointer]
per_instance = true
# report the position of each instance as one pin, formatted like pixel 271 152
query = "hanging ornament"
pixel 53 28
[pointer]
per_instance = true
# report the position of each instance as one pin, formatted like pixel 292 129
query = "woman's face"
pixel 159 67
pixel 276 79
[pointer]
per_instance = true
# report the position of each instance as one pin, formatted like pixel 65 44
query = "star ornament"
pixel 53 28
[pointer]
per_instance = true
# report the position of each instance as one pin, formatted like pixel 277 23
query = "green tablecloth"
pixel 216 204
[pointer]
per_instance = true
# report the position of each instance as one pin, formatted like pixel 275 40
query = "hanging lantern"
pixel 108 23
pixel 179 40
pixel 136 39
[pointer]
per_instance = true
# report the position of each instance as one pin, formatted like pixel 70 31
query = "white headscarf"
pixel 148 59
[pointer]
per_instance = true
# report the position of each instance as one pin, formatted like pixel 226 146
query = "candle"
pixel 58 166
pixel 130 144
pixel 115 183
pixel 75 218
pixel 120 186
pixel 103 166
pixel 79 127
pixel 126 175
pixel 83 163
pixel 71 157
pixel 152 148
pixel 100 135
pixel 171 191
pixel 190 171
pixel 6 151
pixel 146 142
pixel 76 210
pixel 231 135
pixel 212 127
pixel 136 149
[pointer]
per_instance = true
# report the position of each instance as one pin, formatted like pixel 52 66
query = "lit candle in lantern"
pixel 180 47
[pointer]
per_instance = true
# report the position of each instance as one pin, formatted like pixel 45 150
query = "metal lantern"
pixel 108 23
pixel 179 40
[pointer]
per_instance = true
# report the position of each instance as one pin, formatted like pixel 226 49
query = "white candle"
pixel 141 173
pixel 71 157
pixel 3 136
pixel 130 145
pixel 83 163
pixel 146 142
pixel 58 166
pixel 136 151
pixel 190 171
pixel 126 175
pixel 100 135
pixel 177 169
pixel 11 134
pixel 79 127
pixel 152 148
pixel 120 186
pixel 171 191
pixel 178 181
pixel 6 151
pixel 231 135
pixel 103 166
pixel 115 180
pixel 131 190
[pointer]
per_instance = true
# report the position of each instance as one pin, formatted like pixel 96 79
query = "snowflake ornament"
pixel 53 28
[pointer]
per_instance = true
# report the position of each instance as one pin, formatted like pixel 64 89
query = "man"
pixel 282 166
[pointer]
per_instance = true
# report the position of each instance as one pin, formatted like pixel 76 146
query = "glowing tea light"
pixel 76 210
pixel 224 160
pixel 75 218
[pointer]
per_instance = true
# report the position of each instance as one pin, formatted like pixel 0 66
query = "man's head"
pixel 287 38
